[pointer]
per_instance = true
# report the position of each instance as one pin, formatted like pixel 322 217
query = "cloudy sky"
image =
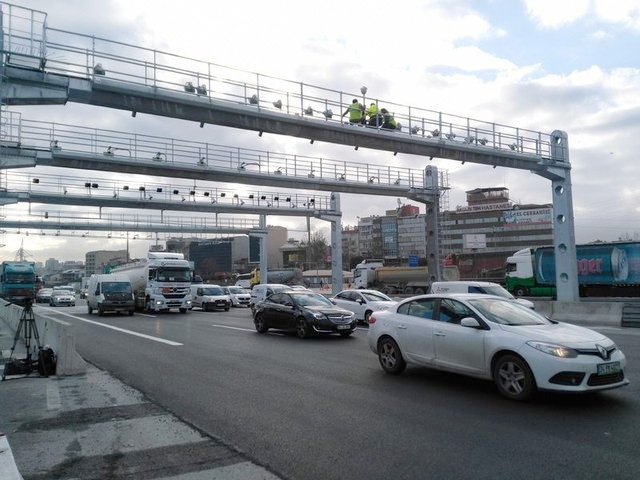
pixel 539 64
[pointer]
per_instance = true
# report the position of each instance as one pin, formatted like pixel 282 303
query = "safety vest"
pixel 355 111
pixel 388 118
pixel 372 111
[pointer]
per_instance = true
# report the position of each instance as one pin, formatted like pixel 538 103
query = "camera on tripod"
pixel 45 361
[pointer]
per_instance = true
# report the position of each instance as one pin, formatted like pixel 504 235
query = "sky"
pixel 535 64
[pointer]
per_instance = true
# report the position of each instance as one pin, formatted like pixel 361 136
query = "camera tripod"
pixel 28 322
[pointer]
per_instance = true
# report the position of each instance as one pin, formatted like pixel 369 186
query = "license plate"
pixel 608 368
pixel 344 327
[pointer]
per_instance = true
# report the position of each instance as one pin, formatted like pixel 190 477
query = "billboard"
pixel 474 240
pixel 254 249
pixel 528 216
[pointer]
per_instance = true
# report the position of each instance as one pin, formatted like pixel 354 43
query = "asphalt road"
pixel 323 409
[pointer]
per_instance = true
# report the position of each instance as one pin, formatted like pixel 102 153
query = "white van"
pixel 209 297
pixel 488 288
pixel 110 292
pixel 263 290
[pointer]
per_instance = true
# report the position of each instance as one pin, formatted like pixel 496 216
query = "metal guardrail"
pixel 29 42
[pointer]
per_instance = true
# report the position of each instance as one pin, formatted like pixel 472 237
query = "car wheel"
pixel 226 309
pixel 301 328
pixel 183 310
pixel 261 325
pixel 514 378
pixel 130 312
pixel 89 309
pixel 390 356
pixel 346 334
pixel 100 311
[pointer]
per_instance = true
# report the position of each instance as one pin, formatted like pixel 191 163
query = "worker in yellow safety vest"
pixel 375 119
pixel 388 122
pixel 355 111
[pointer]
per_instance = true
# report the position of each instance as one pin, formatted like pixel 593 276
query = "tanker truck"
pixel 286 276
pixel 160 282
pixel 391 280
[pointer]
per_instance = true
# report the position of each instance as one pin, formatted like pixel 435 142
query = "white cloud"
pixel 555 14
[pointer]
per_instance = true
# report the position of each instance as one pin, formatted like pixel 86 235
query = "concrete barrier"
pixel 582 313
pixel 52 332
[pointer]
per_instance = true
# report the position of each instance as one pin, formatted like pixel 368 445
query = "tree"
pixel 317 249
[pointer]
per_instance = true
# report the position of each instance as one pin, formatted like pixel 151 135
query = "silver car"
pixel 62 297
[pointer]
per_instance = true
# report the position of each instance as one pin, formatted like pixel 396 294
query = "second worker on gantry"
pixel 376 118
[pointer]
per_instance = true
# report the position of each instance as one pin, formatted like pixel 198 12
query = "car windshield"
pixel 173 275
pixel 63 292
pixel 506 312
pixel 376 297
pixel 212 291
pixel 311 300
pixel 236 290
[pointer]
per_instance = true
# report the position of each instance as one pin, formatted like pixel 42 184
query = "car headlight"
pixel 318 315
pixel 553 349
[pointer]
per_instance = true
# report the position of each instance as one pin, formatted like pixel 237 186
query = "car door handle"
pixel 440 334
pixel 402 326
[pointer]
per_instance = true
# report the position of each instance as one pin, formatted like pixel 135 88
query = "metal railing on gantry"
pixel 236 162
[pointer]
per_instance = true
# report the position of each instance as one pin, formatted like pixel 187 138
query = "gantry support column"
pixel 264 264
pixel 336 243
pixel 564 241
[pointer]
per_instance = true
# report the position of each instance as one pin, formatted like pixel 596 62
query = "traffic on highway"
pixel 323 407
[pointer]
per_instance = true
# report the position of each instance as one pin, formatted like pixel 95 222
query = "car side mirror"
pixel 470 322
pixel 361 301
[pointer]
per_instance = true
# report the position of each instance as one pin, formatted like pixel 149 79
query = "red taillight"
pixel 371 320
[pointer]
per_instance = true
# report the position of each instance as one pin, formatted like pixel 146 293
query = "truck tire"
pixel 89 309
pixel 100 311
pixel 130 312
pixel 520 291
pixel 183 310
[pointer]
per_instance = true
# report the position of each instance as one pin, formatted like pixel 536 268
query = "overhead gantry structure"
pixel 34 143
pixel 43 65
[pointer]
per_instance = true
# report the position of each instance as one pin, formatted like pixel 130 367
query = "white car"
pixel 239 296
pixel 491 337
pixel 363 302
pixel 209 297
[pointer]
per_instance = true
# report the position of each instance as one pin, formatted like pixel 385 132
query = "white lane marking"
pixel 123 330
pixel 234 328
pixel 53 396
